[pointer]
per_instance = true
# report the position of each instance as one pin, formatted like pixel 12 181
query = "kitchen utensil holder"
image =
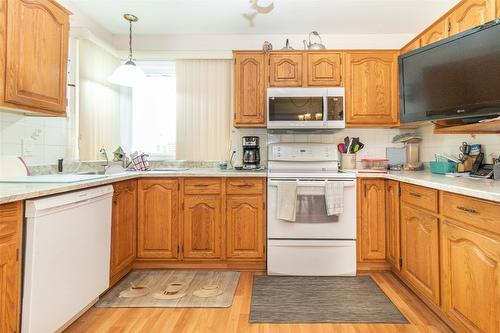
pixel 348 161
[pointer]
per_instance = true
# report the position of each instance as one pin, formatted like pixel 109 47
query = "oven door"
pixel 312 221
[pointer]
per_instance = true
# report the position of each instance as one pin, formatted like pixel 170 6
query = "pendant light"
pixel 128 74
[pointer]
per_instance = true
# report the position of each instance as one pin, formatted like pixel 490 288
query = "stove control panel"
pixel 302 152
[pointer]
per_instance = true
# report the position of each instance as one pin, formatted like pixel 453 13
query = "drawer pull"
pixel 244 185
pixel 201 185
pixel 468 210
pixel 418 195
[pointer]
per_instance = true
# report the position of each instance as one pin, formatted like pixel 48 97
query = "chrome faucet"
pixel 105 154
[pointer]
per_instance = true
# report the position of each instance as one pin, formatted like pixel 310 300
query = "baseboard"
pixel 370 266
pixel 255 266
pixel 120 275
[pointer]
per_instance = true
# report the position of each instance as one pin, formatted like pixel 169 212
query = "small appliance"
pixel 251 152
pixel 305 108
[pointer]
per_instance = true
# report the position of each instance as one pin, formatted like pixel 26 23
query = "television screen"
pixel 454 78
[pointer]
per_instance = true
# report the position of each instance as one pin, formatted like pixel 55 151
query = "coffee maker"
pixel 251 152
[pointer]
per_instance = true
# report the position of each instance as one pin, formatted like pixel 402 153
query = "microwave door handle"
pixel 325 110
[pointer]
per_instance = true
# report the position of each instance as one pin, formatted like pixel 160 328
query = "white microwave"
pixel 305 108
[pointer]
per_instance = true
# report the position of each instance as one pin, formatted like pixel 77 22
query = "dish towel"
pixel 287 201
pixel 334 198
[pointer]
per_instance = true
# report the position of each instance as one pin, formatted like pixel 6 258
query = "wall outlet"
pixel 28 147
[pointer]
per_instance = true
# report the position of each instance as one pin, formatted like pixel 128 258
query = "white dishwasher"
pixel 67 256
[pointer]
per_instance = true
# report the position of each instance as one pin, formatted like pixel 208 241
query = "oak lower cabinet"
pixel 34 55
pixel 202 224
pixel 158 229
pixel 420 251
pixel 249 89
pixel 245 226
pixel 123 229
pixel 392 212
pixel 371 81
pixel 470 278
pixel 11 220
pixel 371 220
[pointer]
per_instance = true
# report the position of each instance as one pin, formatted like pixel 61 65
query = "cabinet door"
pixel 371 89
pixel 411 46
pixel 438 31
pixel 202 222
pixel 158 218
pixel 371 230
pixel 249 90
pixel 324 69
pixel 471 279
pixel 37 52
pixel 10 267
pixel 245 225
pixel 392 218
pixel 420 251
pixel 123 226
pixel 471 13
pixel 285 69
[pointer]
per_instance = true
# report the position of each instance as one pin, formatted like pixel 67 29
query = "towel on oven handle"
pixel 334 198
pixel 287 201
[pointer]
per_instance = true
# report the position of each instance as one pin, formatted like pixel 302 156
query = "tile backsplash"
pixel 449 143
pixel 39 140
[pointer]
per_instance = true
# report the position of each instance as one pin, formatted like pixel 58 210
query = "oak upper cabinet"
pixel 471 13
pixel 11 219
pixel 371 219
pixel 245 218
pixel 471 279
pixel 415 44
pixel 202 223
pixel 158 201
pixel 436 32
pixel 392 220
pixel 324 69
pixel 249 89
pixel 36 55
pixel 420 251
pixel 123 228
pixel 371 88
pixel 286 69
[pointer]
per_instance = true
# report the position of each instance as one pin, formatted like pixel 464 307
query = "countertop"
pixel 10 192
pixel 481 188
pixel 487 189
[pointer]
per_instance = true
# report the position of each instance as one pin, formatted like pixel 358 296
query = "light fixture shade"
pixel 128 75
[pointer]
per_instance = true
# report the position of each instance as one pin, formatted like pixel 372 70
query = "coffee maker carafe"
pixel 251 152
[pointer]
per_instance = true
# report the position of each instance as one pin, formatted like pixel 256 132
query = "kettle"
pixel 314 46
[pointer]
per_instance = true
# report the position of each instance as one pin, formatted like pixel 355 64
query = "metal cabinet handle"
pixel 467 210
pixel 418 195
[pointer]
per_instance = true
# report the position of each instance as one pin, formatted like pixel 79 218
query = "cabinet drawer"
pixel 244 186
pixel 419 196
pixel 9 215
pixel 478 213
pixel 202 186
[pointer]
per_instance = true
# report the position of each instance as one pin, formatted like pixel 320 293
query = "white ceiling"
pixel 167 17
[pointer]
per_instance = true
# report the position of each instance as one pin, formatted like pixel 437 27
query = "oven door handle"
pixel 347 183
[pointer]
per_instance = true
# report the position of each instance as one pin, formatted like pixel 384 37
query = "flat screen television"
pixel 458 77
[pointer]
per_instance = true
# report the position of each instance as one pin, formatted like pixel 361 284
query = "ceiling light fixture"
pixel 128 74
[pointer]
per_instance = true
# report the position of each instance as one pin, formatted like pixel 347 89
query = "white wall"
pixel 449 143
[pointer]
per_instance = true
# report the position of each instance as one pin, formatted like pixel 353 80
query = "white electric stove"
pixel 315 244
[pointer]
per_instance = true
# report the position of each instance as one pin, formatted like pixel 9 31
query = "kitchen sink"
pixel 91 173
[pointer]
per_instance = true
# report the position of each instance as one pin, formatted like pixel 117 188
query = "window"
pixel 153 123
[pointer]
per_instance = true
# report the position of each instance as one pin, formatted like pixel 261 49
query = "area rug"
pixel 295 299
pixel 155 282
